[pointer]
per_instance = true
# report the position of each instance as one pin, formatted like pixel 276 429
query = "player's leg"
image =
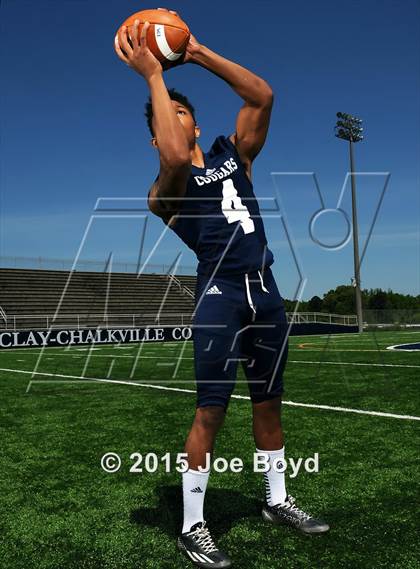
pixel 266 424
pixel 215 362
pixel 268 436
pixel 201 438
pixel 265 345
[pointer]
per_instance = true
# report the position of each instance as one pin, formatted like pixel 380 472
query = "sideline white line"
pixel 180 390
pixel 68 353
pixel 184 358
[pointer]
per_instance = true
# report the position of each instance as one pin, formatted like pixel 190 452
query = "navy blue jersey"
pixel 219 219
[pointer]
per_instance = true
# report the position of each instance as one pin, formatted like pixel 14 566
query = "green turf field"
pixel 60 510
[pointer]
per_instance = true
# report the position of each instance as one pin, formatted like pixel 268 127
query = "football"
pixel 167 36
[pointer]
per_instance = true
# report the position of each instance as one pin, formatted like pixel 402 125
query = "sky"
pixel 73 132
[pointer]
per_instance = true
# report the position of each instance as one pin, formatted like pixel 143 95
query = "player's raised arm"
pixel 175 160
pixel 254 117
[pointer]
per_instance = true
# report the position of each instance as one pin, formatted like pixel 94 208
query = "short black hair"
pixel 175 96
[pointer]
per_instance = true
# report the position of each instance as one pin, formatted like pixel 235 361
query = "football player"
pixel 207 199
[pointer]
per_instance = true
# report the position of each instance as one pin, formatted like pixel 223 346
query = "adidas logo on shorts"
pixel 214 290
pixel 197 490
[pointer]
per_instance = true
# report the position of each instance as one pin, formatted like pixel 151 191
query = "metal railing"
pixel 183 288
pixel 22 322
pixel 47 263
pixel 323 318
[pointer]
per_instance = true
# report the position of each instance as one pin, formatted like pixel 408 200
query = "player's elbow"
pixel 263 95
pixel 267 96
pixel 154 206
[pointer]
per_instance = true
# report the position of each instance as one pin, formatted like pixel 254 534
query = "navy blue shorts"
pixel 239 318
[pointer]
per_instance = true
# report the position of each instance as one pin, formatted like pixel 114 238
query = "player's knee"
pixel 270 406
pixel 210 418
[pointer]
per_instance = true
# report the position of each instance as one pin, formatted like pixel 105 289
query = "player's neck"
pixel 197 156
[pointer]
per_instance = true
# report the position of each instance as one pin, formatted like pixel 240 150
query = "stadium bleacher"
pixel 36 298
pixel 43 299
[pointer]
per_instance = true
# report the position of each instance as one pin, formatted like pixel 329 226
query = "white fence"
pixel 323 318
pixel 17 322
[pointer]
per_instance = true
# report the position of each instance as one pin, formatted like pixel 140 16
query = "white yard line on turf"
pixel 289 361
pixel 180 390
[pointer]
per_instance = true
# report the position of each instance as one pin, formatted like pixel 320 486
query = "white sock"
pixel 194 484
pixel 275 485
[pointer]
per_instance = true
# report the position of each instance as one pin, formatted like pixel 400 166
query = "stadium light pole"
pixel 350 128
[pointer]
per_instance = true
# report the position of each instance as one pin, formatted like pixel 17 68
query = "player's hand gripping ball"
pixel 166 37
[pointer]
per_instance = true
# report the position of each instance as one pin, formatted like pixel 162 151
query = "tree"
pixel 315 304
pixel 378 299
pixel 340 301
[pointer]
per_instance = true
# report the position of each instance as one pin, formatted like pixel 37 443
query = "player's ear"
pixel 153 142
pixel 197 132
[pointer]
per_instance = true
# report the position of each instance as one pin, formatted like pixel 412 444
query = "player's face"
pixel 187 121
pixel 185 117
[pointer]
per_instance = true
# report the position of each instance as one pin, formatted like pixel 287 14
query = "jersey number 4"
pixel 233 208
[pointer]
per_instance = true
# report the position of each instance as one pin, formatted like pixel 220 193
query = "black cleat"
pixel 198 546
pixel 289 514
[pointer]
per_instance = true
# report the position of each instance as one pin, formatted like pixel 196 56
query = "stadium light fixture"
pixel 349 128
